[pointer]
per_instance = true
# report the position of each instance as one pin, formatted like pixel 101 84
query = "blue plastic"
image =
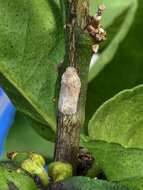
pixel 7 113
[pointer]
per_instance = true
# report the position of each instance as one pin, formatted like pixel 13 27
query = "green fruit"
pixel 37 158
pixel 59 171
pixel 35 169
pixel 31 162
pixel 19 157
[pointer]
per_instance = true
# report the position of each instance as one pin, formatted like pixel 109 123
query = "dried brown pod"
pixel 94 27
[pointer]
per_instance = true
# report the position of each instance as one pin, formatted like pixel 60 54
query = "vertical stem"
pixel 78 51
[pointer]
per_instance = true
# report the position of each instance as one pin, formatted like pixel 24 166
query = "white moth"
pixel 69 92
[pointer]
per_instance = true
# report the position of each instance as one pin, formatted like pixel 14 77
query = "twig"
pixel 80 27
pixel 74 81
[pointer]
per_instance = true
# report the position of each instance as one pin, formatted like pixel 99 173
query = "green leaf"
pixel 120 119
pixel 31 45
pixel 11 179
pixel 84 183
pixel 117 31
pixel 118 163
pixel 123 72
pixel 22 137
pixel 135 183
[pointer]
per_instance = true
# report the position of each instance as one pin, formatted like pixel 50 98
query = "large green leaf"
pixel 10 179
pixel 135 183
pixel 117 20
pixel 120 119
pixel 84 183
pixel 117 31
pixel 124 165
pixel 31 45
pixel 124 71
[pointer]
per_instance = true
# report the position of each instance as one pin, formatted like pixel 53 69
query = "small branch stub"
pixel 95 29
pixel 69 92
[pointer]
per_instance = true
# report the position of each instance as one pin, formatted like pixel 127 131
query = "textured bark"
pixel 78 50
pixel 67 141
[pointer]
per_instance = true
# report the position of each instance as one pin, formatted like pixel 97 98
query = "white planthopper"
pixel 69 92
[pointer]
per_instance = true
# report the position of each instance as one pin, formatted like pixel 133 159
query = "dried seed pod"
pixel 69 92
pixel 94 27
pixel 84 162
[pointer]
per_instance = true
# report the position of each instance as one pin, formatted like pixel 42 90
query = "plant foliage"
pixel 31 48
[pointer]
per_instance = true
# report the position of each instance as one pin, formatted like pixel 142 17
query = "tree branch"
pixel 78 51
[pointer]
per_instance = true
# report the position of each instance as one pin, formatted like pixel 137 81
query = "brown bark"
pixel 78 45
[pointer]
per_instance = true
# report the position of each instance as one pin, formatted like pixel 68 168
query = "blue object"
pixel 7 113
